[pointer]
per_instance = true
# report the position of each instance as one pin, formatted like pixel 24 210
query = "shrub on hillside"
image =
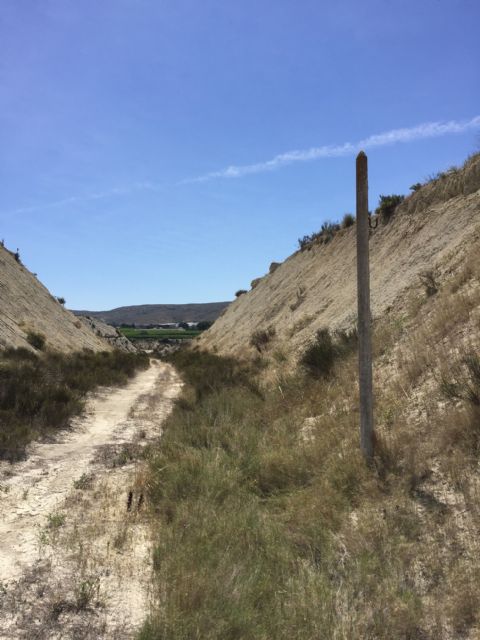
pixel 387 205
pixel 240 292
pixel 320 356
pixel 326 233
pixel 348 220
pixel 261 338
pixel 307 241
pixel 462 383
pixel 346 340
pixel 37 340
pixel 429 281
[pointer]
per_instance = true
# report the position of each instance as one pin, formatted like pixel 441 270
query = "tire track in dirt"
pixel 74 562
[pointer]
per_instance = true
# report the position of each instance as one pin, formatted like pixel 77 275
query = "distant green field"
pixel 159 334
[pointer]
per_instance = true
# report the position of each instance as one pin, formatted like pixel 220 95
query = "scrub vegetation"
pixel 268 523
pixel 39 394
pixel 388 204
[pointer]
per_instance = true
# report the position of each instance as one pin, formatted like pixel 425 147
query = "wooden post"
pixel 364 315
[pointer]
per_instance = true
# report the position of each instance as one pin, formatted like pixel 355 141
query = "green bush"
pixel 259 339
pixel 203 325
pixel 37 340
pixel 320 356
pixel 462 383
pixel 387 205
pixel 429 280
pixel 240 292
pixel 326 233
pixel 306 241
pixel 346 340
pixel 464 380
pixel 348 220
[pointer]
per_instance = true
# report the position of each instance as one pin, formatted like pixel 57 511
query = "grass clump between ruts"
pixel 252 501
pixel 226 565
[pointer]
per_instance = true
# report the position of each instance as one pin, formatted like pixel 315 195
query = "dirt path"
pixel 74 547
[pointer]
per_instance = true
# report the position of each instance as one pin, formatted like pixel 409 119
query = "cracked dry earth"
pixel 75 552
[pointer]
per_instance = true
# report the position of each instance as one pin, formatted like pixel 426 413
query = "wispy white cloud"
pixel 422 131
pixel 89 197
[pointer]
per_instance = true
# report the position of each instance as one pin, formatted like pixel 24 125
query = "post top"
pixel 362 154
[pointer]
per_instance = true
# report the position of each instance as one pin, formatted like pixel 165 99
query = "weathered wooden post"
pixel 364 315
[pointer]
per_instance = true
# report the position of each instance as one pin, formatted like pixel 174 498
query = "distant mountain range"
pixel 158 313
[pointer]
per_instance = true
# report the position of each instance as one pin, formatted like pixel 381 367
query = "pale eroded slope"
pixel 317 287
pixel 26 305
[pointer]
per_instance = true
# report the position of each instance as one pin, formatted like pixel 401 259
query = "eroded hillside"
pixel 28 307
pixel 431 230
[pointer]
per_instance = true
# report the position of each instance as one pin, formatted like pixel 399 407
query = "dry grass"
pixel 40 394
pixel 269 525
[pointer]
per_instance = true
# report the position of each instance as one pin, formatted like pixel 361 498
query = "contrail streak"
pixel 419 132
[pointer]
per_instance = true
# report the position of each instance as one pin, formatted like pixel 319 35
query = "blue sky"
pixel 135 132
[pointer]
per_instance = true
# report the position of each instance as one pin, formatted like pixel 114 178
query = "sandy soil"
pixel 75 554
